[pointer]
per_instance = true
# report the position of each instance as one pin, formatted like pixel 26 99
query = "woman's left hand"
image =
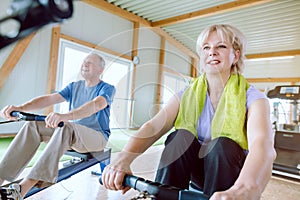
pixel 236 193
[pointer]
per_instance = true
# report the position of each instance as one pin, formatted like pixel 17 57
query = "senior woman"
pixel 223 141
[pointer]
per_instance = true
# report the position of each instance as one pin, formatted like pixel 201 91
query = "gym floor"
pixel 85 186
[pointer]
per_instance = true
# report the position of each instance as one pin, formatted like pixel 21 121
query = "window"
pixel 173 84
pixel 117 72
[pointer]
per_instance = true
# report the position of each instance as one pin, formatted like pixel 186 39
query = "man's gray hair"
pixel 101 59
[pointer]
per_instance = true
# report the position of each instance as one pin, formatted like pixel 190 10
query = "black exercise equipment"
pixel 79 162
pixel 158 191
pixel 27 16
pixel 22 116
pixel 87 160
pixel 287 136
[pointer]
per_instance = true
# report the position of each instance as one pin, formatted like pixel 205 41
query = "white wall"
pixel 29 77
pixel 146 76
pixel 98 27
pixel 175 59
pixel 286 68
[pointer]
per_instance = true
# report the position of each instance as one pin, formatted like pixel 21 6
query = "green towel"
pixel 230 115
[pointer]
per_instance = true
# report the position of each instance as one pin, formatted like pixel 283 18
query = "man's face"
pixel 91 68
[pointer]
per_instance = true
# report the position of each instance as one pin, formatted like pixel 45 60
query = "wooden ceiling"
pixel 271 26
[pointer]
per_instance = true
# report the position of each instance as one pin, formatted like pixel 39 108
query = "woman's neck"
pixel 216 82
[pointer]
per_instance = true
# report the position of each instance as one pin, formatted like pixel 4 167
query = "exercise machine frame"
pixel 158 191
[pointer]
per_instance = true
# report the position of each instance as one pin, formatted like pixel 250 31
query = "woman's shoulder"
pixel 254 94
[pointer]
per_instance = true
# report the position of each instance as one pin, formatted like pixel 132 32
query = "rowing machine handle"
pixel 31 117
pixel 160 191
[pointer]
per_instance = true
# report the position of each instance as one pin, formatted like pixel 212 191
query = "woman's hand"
pixel 113 174
pixel 235 192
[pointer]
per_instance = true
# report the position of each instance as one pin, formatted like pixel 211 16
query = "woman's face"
pixel 217 56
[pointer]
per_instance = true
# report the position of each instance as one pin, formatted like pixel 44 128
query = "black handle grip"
pixel 31 117
pixel 160 191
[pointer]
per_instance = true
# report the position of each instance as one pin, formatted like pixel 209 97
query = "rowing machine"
pixel 157 191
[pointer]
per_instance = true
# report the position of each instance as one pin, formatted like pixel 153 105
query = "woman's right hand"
pixel 113 174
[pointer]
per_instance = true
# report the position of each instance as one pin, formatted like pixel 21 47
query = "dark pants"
pixel 213 167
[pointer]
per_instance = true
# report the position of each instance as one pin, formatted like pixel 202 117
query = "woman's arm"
pixel 150 132
pixel 257 168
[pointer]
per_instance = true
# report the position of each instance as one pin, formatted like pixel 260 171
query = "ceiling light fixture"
pixel 270 58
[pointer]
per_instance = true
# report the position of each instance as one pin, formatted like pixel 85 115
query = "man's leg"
pixel 222 164
pixel 45 169
pixel 21 150
pixel 87 139
pixel 179 159
pixel 70 136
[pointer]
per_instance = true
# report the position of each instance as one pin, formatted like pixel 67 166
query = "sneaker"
pixel 13 192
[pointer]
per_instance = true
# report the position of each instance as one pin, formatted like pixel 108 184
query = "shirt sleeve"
pixel 254 94
pixel 66 92
pixel 108 93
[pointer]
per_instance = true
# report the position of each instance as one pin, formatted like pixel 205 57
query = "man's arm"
pixel 87 109
pixel 257 168
pixel 34 104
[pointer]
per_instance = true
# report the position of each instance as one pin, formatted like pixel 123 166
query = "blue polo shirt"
pixel 77 94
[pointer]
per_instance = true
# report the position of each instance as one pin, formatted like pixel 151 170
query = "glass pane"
pixel 172 85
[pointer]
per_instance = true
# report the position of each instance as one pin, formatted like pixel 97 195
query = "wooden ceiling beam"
pixel 274 80
pixel 227 7
pixel 14 58
pixel 108 7
pixel 115 10
pixel 162 57
pixel 295 52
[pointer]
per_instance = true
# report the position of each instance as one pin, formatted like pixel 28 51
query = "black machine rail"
pixel 23 116
pixel 159 191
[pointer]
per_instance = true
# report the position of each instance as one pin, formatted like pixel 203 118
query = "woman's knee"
pixel 180 145
pixel 179 136
pixel 224 148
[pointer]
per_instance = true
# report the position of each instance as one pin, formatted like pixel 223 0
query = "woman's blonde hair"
pixel 229 34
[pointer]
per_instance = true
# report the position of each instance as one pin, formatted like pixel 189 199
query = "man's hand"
pixel 53 119
pixel 5 112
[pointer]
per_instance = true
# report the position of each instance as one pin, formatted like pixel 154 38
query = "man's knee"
pixel 67 130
